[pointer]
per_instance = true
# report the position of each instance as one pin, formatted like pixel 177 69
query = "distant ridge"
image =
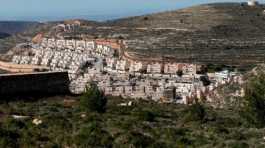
pixel 13 27
pixel 4 35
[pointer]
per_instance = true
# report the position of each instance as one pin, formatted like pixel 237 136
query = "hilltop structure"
pixel 252 3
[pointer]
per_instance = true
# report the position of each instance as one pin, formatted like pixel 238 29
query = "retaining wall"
pixel 41 83
pixel 20 68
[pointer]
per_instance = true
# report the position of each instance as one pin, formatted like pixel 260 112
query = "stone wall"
pixel 42 83
pixel 21 68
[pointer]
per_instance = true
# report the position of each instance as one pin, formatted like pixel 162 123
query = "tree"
pixel 93 100
pixel 8 138
pixel 196 112
pixel 180 73
pixel 205 80
pixel 255 100
pixel 146 115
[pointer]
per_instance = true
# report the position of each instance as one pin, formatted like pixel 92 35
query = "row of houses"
pixel 158 68
pixel 78 45
pixel 88 61
pixel 105 49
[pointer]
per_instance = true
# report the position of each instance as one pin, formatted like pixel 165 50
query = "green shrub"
pixel 184 141
pixel 254 108
pixel 173 134
pixel 14 125
pixel 8 139
pixel 138 140
pixel 92 135
pixel 146 115
pixel 93 100
pixel 195 112
pixel 237 144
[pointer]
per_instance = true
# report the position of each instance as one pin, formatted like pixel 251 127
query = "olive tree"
pixel 93 99
pixel 255 100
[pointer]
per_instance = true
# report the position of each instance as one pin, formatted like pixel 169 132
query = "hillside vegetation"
pixel 94 121
pixel 145 124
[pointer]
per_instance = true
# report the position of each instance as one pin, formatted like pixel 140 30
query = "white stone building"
pixel 154 68
pixel 135 67
pixel 111 62
pixel 121 65
pixel 170 68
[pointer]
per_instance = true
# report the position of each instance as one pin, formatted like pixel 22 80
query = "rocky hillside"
pixel 202 17
pixel 228 33
pixel 224 33
pixel 15 32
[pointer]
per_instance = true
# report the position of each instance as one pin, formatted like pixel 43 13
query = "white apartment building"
pixel 189 69
pixel 51 43
pixel 222 75
pixel 135 66
pixel 111 62
pixel 121 65
pixel 70 44
pixel 170 68
pixel 80 44
pixel 61 43
pixel 154 68
pixel 44 42
pixel 90 45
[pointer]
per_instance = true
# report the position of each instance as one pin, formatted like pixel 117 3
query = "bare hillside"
pixel 225 33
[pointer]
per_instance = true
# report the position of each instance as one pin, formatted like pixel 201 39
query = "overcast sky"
pixel 43 10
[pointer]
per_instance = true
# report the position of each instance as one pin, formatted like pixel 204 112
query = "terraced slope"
pixel 202 17
pixel 225 33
